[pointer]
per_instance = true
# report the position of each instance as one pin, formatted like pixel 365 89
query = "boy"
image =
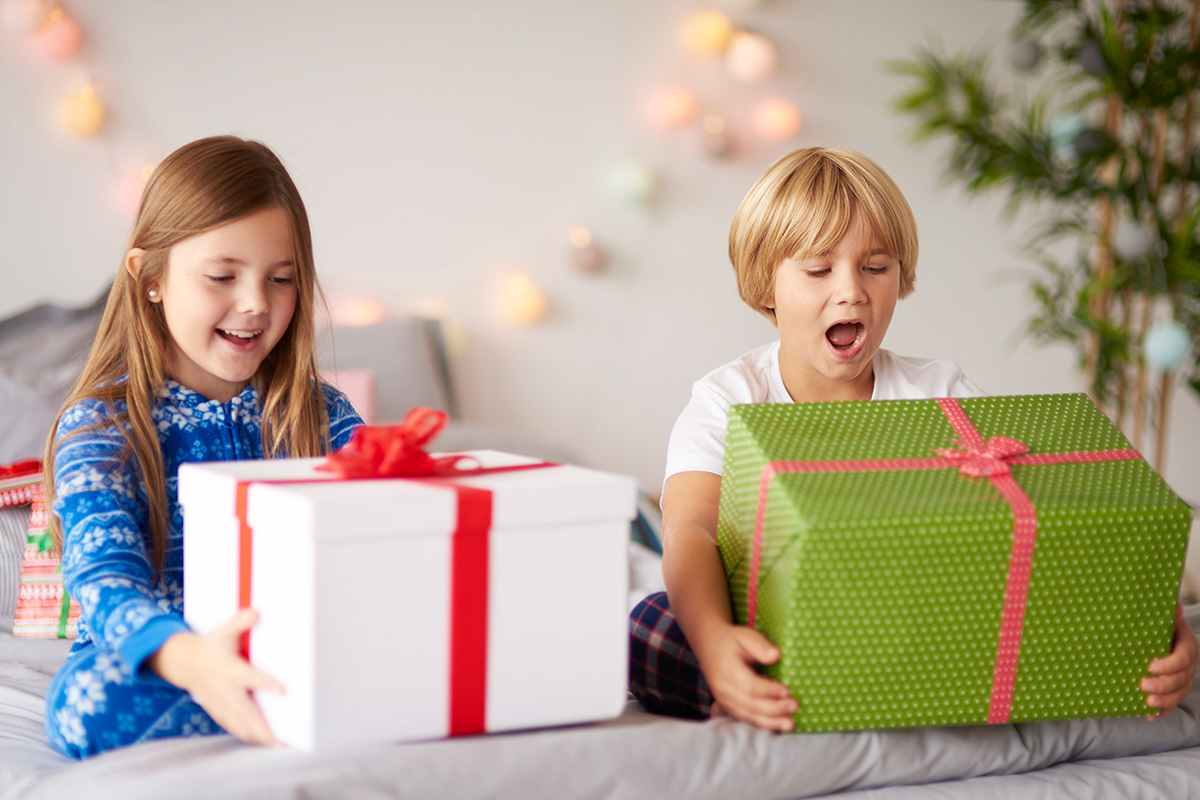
pixel 823 245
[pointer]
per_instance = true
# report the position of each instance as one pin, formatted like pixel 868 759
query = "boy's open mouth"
pixel 843 335
pixel 239 337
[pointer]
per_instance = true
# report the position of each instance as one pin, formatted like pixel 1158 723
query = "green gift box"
pixel 950 562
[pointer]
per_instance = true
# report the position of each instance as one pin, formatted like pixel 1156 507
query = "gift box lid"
pixel 342 509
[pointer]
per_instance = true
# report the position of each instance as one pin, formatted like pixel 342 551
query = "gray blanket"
pixel 637 755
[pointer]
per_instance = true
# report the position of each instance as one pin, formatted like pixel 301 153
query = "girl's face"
pixel 833 310
pixel 228 296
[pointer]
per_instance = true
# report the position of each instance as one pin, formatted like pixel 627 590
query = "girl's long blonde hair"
pixel 200 186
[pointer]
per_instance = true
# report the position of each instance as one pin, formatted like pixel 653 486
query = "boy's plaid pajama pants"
pixel 664 674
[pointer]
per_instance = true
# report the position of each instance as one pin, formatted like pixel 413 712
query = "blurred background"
pixel 554 181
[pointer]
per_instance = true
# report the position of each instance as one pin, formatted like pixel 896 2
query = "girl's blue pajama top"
pixel 103 696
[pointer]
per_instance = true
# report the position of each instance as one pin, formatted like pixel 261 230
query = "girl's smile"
pixel 228 295
pixel 833 310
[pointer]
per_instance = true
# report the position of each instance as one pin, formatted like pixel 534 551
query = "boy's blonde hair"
pixel 199 187
pixel 802 206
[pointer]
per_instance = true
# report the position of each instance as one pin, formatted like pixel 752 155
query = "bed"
pixel 635 755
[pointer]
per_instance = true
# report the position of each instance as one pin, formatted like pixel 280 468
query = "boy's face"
pixel 833 310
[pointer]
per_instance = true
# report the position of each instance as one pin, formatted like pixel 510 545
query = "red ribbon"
pixel 993 460
pixel 30 466
pixel 397 451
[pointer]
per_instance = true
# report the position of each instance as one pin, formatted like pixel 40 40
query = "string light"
pixel 776 119
pixel 707 32
pixel 60 37
pixel 586 256
pixel 672 107
pixel 522 302
pixel 82 113
pixel 751 58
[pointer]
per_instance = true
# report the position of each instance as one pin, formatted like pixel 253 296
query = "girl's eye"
pixel 281 280
pixel 877 269
pixel 819 272
pixel 220 278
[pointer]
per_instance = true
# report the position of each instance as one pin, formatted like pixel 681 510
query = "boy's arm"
pixel 699 597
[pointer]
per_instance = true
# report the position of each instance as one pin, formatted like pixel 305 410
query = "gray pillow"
pixel 406 355
pixel 42 351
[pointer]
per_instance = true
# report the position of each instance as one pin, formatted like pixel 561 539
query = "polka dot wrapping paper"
pixel 926 562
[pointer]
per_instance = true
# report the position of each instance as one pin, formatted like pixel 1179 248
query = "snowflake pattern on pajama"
pixel 103 697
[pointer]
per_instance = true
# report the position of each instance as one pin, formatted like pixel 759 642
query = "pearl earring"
pixel 152 294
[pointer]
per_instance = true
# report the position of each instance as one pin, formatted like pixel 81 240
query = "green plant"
pixel 1104 156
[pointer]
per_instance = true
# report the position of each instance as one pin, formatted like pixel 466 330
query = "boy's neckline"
pixel 842 391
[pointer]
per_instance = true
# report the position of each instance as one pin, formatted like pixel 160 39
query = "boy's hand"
pixel 209 667
pixel 1171 676
pixel 728 665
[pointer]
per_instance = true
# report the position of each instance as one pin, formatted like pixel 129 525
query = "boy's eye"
pixel 817 272
pixel 877 269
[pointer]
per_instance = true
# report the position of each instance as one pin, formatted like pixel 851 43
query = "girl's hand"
pixel 728 666
pixel 208 667
pixel 1171 676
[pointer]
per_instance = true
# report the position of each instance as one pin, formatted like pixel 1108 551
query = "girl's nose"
pixel 252 299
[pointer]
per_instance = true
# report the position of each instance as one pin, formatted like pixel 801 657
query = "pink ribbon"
pixel 993 460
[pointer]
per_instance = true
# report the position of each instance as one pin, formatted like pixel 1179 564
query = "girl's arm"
pixel 699 596
pixel 209 668
pixel 105 564
pixel 343 419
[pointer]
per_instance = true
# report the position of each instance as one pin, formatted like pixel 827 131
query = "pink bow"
pixel 987 460
pixel 393 451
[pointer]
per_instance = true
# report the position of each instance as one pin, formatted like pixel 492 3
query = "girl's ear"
pixel 133 265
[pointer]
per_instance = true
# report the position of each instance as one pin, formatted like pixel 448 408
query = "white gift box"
pixel 364 622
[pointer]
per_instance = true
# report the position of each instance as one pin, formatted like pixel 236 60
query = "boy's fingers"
pixel 757 647
pixel 1167 684
pixel 766 689
pixel 762 717
pixel 1165 702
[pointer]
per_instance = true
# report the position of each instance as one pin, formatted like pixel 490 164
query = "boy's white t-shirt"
pixel 698 438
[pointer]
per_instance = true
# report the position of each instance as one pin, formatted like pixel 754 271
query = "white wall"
pixel 438 144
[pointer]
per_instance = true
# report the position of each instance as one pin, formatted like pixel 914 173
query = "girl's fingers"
pixel 260 681
pixel 239 623
pixel 250 725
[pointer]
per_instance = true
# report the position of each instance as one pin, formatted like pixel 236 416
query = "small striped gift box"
pixel 44 610
pixel 16 494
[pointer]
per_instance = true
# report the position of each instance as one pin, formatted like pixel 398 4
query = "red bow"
pixel 393 451
pixel 987 460
pixel 27 467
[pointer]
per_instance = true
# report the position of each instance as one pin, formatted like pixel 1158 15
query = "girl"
pixel 823 245
pixel 204 353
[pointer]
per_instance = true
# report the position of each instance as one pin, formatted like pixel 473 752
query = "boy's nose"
pixel 850 288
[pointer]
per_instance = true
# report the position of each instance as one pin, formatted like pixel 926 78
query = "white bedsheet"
pixel 636 755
